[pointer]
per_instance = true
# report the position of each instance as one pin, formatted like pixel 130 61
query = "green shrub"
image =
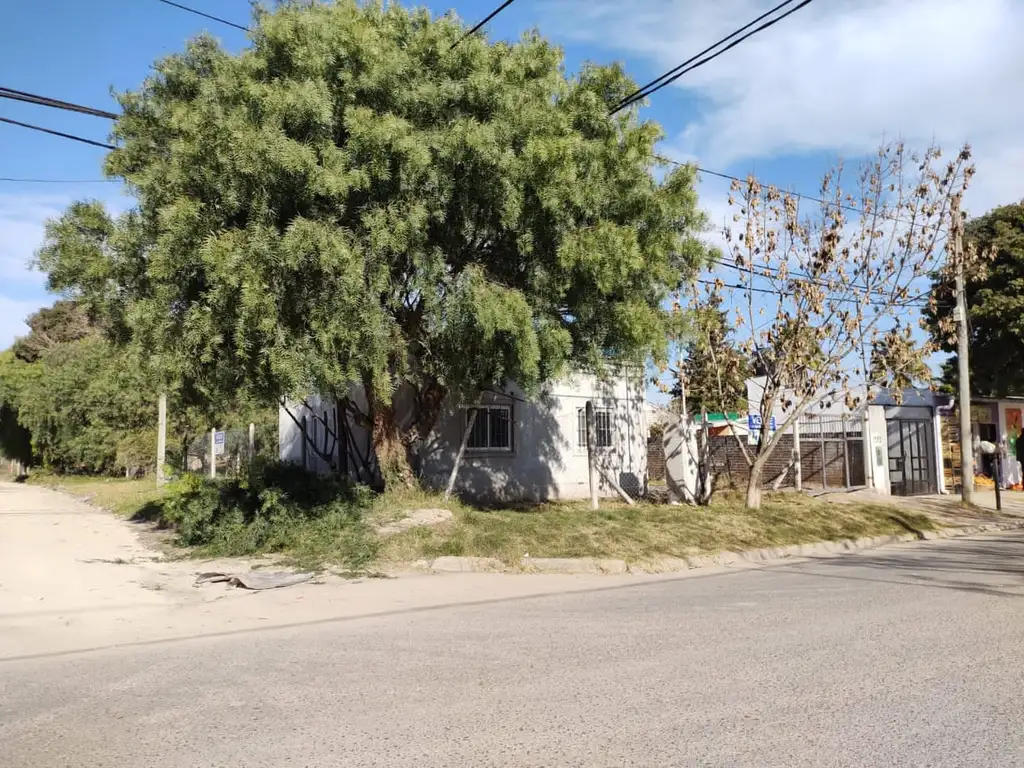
pixel 273 508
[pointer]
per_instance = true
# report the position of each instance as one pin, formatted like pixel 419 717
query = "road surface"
pixel 907 655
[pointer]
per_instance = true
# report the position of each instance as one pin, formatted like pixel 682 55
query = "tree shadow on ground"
pixel 150 512
pixel 988 565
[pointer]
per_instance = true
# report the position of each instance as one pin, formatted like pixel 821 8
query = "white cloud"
pixel 22 218
pixel 834 77
pixel 12 318
pixel 22 221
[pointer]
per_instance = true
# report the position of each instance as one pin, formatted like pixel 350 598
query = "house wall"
pixel 348 444
pixel 655 457
pixel 939 449
pixel 876 451
pixel 546 461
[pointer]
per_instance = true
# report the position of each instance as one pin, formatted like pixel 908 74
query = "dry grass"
pixel 567 529
pixel 648 531
pixel 125 497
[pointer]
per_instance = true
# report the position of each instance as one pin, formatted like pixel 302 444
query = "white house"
pixel 518 449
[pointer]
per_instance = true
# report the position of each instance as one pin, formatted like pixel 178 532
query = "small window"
pixel 602 428
pixel 492 428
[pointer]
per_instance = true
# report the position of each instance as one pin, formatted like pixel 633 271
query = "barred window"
pixel 602 427
pixel 492 428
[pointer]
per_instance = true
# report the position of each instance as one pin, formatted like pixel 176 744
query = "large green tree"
pixel 995 305
pixel 353 200
pixel 15 439
pixel 83 404
pixel 65 321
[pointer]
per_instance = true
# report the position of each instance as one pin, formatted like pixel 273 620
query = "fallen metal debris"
pixel 254 580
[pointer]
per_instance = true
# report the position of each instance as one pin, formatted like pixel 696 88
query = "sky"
pixel 832 81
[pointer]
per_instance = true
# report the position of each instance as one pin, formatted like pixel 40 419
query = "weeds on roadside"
pixel 273 508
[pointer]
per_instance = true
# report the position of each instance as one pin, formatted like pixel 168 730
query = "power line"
pixel 682 69
pixel 720 284
pixel 58 181
pixel 639 91
pixel 46 101
pixel 486 19
pixel 56 133
pixel 811 198
pixel 811 279
pixel 206 15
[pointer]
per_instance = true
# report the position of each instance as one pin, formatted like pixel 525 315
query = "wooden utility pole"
pixel 956 231
pixel 161 439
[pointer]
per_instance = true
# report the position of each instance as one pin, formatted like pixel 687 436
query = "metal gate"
pixel 831 451
pixel 911 457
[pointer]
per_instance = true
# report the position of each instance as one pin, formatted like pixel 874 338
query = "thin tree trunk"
pixel 462 451
pixel 754 485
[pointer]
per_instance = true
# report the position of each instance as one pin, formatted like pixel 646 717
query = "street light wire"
pixel 673 75
pixel 639 91
pixel 206 15
pixel 57 181
pixel 486 19
pixel 719 284
pixel 811 198
pixel 56 133
pixel 46 101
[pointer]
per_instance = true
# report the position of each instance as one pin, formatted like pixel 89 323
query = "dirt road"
pixel 73 577
pixel 904 655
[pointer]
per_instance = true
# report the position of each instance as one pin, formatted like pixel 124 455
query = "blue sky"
pixel 830 81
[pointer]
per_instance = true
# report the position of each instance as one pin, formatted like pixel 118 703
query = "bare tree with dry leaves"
pixel 823 299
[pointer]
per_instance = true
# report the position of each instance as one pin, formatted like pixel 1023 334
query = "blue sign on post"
pixel 218 443
pixel 754 427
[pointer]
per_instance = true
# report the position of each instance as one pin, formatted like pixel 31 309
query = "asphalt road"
pixel 903 656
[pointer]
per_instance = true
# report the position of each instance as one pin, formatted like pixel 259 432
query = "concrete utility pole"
pixel 161 439
pixel 591 451
pixel 962 353
pixel 213 453
pixel 798 469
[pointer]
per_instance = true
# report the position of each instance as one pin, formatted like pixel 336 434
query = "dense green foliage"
pixel 15 440
pixel 995 304
pixel 348 201
pixel 73 402
pixel 64 322
pixel 82 404
pixel 272 508
pixel 72 397
pixel 714 369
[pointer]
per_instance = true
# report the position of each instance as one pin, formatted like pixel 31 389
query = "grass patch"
pixel 275 508
pixel 648 531
pixel 130 498
pixel 311 521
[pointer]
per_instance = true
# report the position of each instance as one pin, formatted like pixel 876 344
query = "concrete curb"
pixel 593 565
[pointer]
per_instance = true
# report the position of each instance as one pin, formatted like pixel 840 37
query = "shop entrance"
pixel 911 457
